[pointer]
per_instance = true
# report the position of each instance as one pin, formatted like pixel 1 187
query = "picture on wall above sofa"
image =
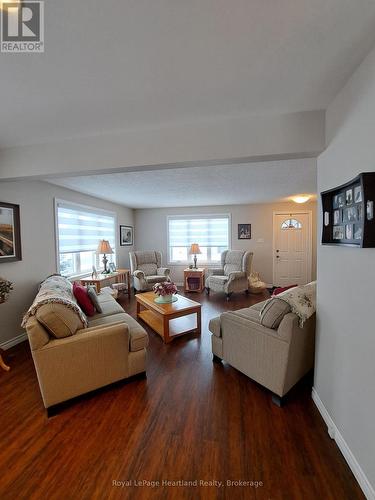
pixel 10 235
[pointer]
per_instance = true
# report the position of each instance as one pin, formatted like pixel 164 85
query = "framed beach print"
pixel 10 234
pixel 244 231
pixel 126 236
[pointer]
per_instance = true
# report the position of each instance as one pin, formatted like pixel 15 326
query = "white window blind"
pixel 79 230
pixel 211 232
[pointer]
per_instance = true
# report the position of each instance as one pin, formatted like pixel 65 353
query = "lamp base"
pixel 195 262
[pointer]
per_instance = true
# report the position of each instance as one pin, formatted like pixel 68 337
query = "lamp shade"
pixel 104 247
pixel 194 249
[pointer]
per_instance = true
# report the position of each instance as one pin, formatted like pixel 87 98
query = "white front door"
pixel 292 242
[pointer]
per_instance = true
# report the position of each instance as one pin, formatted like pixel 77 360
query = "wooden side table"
pixel 194 280
pixel 121 275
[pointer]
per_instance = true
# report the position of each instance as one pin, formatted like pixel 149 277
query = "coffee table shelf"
pixel 169 320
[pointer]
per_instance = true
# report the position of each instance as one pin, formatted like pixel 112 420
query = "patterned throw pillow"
pixel 94 298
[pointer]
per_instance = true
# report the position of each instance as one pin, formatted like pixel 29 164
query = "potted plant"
pixel 165 292
pixel 5 288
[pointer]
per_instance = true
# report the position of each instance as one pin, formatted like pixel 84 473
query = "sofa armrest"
pixel 164 271
pixel 139 274
pixel 215 271
pixel 215 327
pixel 83 362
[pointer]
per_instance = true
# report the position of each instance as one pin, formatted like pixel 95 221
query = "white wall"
pixel 345 359
pixel 151 233
pixel 36 200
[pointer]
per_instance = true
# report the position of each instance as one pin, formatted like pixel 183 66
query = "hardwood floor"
pixel 191 420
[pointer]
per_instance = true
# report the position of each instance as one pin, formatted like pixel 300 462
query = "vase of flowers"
pixel 165 292
pixel 5 289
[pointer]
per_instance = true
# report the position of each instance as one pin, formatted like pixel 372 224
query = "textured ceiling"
pixel 114 64
pixel 199 186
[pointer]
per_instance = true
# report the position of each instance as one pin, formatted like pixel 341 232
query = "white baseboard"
pixel 335 434
pixel 14 341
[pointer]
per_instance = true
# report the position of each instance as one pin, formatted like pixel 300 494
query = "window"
pixel 291 224
pixel 78 231
pixel 211 232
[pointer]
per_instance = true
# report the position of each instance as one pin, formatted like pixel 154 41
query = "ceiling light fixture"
pixel 301 198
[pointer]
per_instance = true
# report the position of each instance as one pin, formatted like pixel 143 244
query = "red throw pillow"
pixel 84 302
pixel 282 289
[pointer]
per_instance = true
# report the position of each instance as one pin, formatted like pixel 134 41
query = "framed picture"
pixel 336 217
pixel 349 196
pixel 112 267
pixel 349 232
pixel 340 200
pixel 244 231
pixel 338 232
pixel 350 214
pixel 126 236
pixel 357 232
pixel 370 210
pixel 357 194
pixel 10 233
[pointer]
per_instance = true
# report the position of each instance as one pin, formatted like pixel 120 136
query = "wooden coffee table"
pixel 169 320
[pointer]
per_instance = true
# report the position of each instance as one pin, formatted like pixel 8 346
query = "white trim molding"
pixel 14 341
pixel 335 434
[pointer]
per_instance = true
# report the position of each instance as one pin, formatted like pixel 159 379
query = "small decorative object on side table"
pixel 5 289
pixel 166 292
pixel 194 279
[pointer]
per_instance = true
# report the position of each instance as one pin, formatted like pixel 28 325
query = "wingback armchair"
pixel 233 275
pixel 146 269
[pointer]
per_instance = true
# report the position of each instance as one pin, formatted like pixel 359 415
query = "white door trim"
pixel 309 251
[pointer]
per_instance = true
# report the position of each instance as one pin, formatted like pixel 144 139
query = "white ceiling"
pixel 115 64
pixel 201 186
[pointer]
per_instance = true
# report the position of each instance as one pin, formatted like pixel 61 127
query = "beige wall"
pixel 36 200
pixel 345 367
pixel 151 231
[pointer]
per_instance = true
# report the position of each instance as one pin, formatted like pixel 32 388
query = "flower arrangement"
pixel 5 288
pixel 165 288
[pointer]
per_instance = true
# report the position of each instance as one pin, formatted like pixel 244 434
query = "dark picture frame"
pixel 244 231
pixel 126 236
pixel 10 233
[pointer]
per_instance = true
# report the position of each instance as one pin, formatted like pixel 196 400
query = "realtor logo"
pixel 22 26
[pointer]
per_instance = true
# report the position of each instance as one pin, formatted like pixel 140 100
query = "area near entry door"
pixel 292 248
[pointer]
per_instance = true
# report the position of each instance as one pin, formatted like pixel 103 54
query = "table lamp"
pixel 194 250
pixel 104 248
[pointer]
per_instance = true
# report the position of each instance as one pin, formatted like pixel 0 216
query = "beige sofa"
pixel 271 349
pixel 111 348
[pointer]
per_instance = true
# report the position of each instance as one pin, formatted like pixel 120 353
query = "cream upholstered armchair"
pixel 233 276
pixel 146 269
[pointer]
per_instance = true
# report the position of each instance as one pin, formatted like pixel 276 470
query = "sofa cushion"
pixel 83 299
pixel 138 337
pixel 249 313
pixel 59 320
pixel 282 289
pixel 94 298
pixel 108 309
pixel 273 312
